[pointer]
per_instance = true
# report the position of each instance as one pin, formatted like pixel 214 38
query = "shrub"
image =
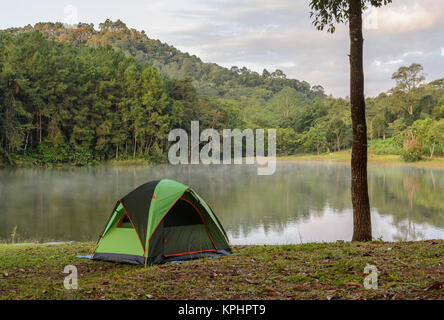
pixel 155 154
pixel 387 146
pixel 412 150
pixel 411 155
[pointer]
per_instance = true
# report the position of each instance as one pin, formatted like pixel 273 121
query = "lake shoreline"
pixel 303 271
pixel 343 156
pixel 373 159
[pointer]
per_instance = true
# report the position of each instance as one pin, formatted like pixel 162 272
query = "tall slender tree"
pixel 407 80
pixel 326 13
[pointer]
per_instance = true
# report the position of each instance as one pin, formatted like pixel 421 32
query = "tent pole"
pixel 95 245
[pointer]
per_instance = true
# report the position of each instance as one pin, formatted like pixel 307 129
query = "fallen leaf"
pixel 149 296
pixel 435 286
pixel 353 284
pixel 300 287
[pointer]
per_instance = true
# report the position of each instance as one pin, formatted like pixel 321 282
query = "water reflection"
pixel 301 202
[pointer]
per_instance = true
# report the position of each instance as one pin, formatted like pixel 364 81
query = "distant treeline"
pixel 80 95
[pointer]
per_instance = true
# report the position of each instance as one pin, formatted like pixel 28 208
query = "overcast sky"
pixel 269 34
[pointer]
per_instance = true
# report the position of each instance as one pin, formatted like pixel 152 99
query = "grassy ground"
pixel 408 270
pixel 345 156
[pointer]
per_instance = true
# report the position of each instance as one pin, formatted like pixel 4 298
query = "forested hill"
pixel 209 78
pixel 81 95
pixel 72 96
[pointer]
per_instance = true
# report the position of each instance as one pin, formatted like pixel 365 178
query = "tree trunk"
pixel 148 144
pixel 26 140
pixel 40 127
pixel 432 150
pixel 362 230
pixel 134 146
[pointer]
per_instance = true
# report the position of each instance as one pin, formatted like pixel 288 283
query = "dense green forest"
pixel 81 95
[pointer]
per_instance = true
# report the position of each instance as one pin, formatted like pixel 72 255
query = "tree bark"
pixel 359 189
pixel 40 126
pixel 432 150
pixel 135 145
pixel 410 108
pixel 26 140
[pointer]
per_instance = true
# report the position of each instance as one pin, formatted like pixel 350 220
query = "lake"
pixel 301 202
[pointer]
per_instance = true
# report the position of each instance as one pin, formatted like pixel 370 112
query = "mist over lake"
pixel 301 202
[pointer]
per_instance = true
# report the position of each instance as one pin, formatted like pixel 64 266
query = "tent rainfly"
pixel 158 222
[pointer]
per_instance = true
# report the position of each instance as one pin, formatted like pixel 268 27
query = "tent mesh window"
pixel 184 230
pixel 124 222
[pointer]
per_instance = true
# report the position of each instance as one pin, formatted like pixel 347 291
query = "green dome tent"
pixel 158 222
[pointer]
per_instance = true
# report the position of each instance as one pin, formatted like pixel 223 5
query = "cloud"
pixel 279 34
pixel 405 18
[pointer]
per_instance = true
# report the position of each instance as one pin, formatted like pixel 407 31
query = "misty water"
pixel 300 202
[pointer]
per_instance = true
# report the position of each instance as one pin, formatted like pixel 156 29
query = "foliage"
pixel 209 78
pixel 411 155
pixel 412 149
pixel 82 95
pixel 429 134
pixel 315 139
pixel 386 146
pixel 328 12
pixel 76 104
pixel 287 141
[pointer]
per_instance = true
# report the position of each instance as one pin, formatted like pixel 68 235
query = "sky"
pixel 260 34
